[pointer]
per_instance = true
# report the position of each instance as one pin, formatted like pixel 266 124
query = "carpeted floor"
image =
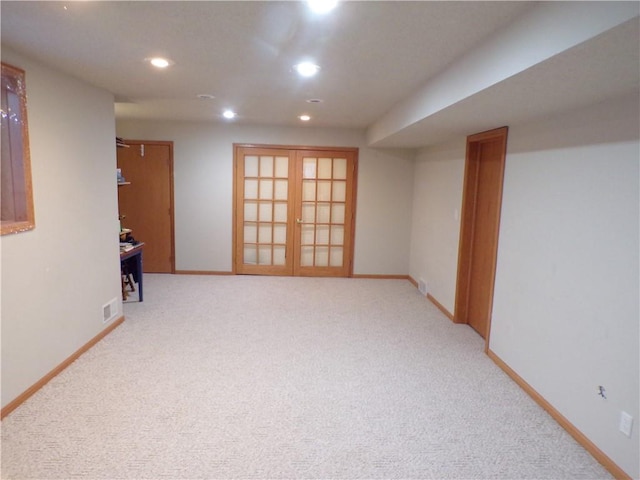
pixel 255 377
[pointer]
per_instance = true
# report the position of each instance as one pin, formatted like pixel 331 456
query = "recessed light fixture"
pixel 229 114
pixel 314 100
pixel 159 62
pixel 304 118
pixel 322 6
pixel 306 69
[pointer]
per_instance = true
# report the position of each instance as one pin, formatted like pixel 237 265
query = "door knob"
pixel 299 221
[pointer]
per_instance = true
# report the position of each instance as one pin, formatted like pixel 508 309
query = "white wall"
pixel 566 314
pixel 203 188
pixel 435 230
pixel 566 308
pixel 57 277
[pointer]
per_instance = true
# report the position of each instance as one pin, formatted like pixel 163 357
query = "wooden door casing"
pixel 482 199
pixel 325 231
pixel 147 203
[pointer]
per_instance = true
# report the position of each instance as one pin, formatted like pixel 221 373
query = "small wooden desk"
pixel 136 271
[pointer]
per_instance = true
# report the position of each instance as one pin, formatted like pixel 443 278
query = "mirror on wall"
pixel 15 187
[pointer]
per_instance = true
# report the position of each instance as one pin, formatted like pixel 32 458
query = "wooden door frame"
pixel 469 202
pixel 236 149
pixel 168 143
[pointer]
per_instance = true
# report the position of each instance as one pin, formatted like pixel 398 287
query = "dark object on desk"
pixel 128 238
pixel 131 268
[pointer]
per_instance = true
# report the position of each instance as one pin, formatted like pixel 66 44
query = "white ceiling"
pixel 373 55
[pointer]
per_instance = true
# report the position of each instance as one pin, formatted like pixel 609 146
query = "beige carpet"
pixel 255 377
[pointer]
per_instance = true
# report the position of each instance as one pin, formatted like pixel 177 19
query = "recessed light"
pixel 314 100
pixel 159 62
pixel 229 114
pixel 306 69
pixel 304 118
pixel 322 6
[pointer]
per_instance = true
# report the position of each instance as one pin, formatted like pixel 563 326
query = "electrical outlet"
pixel 626 423
pixel 422 287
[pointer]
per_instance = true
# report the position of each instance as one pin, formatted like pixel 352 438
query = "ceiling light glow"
pixel 322 6
pixel 307 69
pixel 304 118
pixel 229 114
pixel 159 62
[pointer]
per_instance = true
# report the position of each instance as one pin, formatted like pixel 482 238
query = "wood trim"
pixel 202 272
pixel 20 399
pixel 469 196
pixel 234 208
pixel 430 297
pixel 503 132
pixel 173 210
pixel 381 276
pixel 580 437
pixel 464 261
pixel 12 226
pixel 294 147
pixel 354 203
pixel 440 307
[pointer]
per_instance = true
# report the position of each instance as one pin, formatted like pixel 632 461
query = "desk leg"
pixel 139 268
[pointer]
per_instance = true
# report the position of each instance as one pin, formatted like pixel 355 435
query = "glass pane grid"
pixel 323 210
pixel 266 209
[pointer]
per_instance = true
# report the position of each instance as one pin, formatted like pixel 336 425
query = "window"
pixel 17 195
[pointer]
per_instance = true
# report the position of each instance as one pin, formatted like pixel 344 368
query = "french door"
pixel 294 210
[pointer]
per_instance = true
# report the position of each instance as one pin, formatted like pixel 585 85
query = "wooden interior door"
pixel 323 240
pixel 482 199
pixel 263 210
pixel 146 204
pixel 294 210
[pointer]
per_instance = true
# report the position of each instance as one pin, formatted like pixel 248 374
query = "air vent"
pixel 109 310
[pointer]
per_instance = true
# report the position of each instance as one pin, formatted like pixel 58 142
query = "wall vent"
pixel 109 310
pixel 422 287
